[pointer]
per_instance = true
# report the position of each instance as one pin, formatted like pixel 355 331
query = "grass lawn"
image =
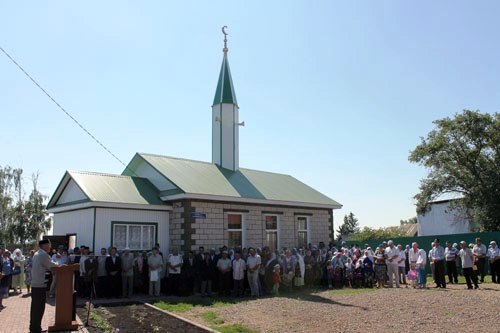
pixel 350 291
pixel 189 303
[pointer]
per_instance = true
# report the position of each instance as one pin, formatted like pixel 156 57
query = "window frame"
pixel 134 224
pixel 307 229
pixel 277 230
pixel 242 229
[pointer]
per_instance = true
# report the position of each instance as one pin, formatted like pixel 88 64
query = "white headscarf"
pixel 15 256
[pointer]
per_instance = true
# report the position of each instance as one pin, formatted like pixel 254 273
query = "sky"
pixel 335 93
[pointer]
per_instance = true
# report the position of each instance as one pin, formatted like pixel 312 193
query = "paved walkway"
pixel 15 318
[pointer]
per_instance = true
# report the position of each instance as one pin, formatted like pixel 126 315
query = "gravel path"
pixel 392 310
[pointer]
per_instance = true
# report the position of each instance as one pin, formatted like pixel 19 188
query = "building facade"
pixel 187 204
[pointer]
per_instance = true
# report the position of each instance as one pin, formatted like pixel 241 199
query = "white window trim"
pixel 278 226
pixel 243 227
pixel 308 229
pixel 128 225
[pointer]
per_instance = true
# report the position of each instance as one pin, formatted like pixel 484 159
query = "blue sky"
pixel 333 93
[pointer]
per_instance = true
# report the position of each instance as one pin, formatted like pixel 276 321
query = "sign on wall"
pixel 198 215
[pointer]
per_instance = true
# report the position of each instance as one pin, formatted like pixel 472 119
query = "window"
pixel 271 222
pixel 302 230
pixel 235 230
pixel 134 236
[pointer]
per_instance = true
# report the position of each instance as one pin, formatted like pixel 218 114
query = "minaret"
pixel 225 126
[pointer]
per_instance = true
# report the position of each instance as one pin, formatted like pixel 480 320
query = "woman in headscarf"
pixel 289 264
pixel 6 276
pixel 309 263
pixel 28 265
pixel 380 267
pixel 268 275
pixel 18 273
pixel 300 270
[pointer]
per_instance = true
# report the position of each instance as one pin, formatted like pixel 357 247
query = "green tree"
pixel 350 226
pixel 412 220
pixel 367 234
pixel 6 202
pixel 462 155
pixel 30 218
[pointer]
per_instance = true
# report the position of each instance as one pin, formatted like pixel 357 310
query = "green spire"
pixel 225 89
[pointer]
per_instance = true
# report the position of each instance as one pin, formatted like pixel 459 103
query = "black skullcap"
pixel 43 242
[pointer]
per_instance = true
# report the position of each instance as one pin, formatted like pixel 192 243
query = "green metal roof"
pixel 101 187
pixel 225 89
pixel 208 179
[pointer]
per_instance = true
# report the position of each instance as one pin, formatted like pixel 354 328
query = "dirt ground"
pixel 136 319
pixel 391 310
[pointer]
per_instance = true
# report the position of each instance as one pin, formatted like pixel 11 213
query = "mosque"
pixel 186 203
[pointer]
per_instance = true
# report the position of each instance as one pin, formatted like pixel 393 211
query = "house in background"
pixel 443 219
pixel 186 203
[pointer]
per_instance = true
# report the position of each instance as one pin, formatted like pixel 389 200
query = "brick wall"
pixel 189 233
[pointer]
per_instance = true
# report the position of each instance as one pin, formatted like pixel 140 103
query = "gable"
pixel 141 168
pixel 71 193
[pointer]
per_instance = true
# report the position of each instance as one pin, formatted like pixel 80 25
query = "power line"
pixel 64 110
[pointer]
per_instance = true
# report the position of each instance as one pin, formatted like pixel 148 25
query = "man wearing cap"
pixel 41 264
pixel 450 254
pixel 437 257
pixel 479 252
pixel 494 255
pixel 467 263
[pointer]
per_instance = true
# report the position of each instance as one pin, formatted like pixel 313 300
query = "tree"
pixel 368 234
pixel 20 220
pixel 412 220
pixel 350 226
pixel 463 157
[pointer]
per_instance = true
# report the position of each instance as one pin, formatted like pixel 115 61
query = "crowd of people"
pixel 257 271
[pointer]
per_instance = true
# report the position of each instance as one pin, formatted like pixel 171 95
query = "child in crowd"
pixel 276 279
pixel 368 272
pixel 412 276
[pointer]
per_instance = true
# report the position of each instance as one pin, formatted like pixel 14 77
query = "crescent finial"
pixel 225 49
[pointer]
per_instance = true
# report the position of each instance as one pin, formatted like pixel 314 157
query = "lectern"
pixel 64 299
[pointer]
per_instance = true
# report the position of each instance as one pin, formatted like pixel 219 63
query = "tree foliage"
pixel 412 220
pixel 367 234
pixel 21 220
pixel 350 226
pixel 462 155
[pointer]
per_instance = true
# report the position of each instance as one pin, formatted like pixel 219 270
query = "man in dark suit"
pixel 114 269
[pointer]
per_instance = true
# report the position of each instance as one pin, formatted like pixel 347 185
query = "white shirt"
pixel 82 266
pixel 175 260
pixel 494 253
pixel 239 267
pixel 413 256
pixel 391 253
pixel 402 257
pixel 479 250
pixel 422 258
pixel 466 256
pixel 252 262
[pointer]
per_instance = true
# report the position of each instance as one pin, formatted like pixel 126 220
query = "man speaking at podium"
pixel 41 264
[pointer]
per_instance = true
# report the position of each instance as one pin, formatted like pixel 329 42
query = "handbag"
pixel 17 270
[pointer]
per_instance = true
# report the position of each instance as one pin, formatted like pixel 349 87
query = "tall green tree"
pixel 350 226
pixel 6 202
pixel 462 155
pixel 30 218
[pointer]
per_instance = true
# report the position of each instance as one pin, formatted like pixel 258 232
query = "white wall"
pixel 107 215
pixel 71 193
pixel 442 220
pixel 228 115
pixel 79 222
